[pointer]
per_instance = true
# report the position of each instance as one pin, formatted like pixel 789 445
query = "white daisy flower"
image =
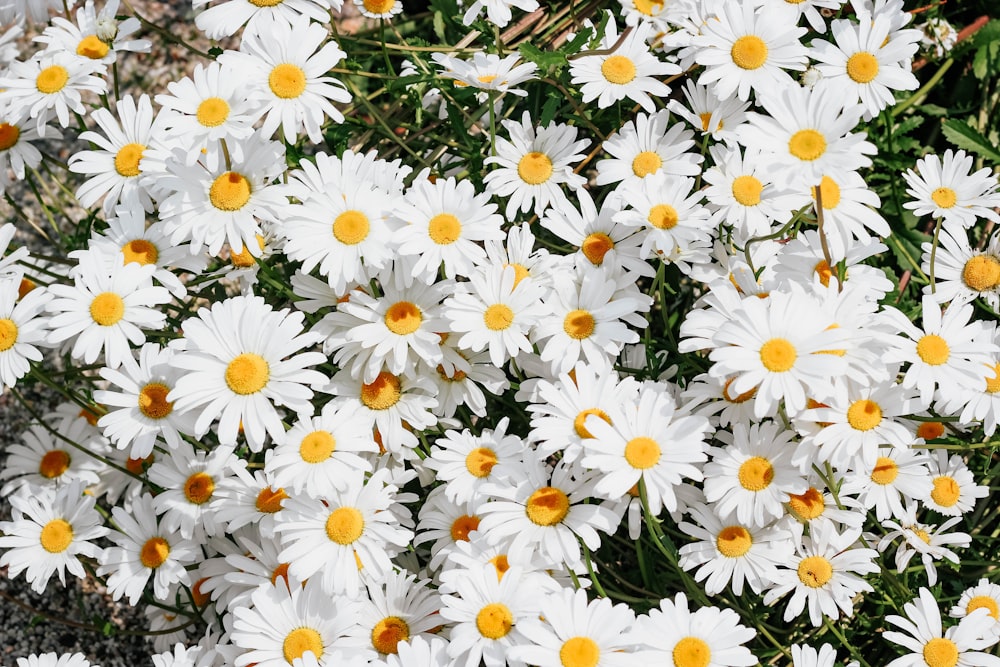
pixel 984 595
pixel 54 660
pixel 23 329
pixel 188 479
pixel 718 118
pixel 946 188
pixel 88 37
pixel 488 71
pixel 648 145
pixel 955 490
pixel 225 18
pixel 930 541
pixel 245 499
pixel 961 273
pixel 445 524
pixel 850 212
pixel 467 463
pixel 50 84
pixel 806 656
pixel 16 149
pixel 401 610
pixel 895 477
pixel 379 9
pixel 498 12
pixel 667 211
pixel 419 652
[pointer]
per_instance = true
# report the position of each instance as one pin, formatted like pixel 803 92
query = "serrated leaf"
pixel 439 26
pixel 963 136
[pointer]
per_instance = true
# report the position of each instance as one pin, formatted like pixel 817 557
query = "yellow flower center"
pixel 387 634
pixel 153 401
pixel 500 564
pixel 663 216
pixel 547 506
pixel 9 135
pixel 351 227
pixel 462 526
pixel 520 272
pixel 778 355
pixel 930 430
pixel 379 6
pixel 268 3
pixel 580 420
pixel 749 52
pixel 494 621
pixel 944 197
pixel 480 461
pixel 198 488
pixel 864 415
pixel 596 246
pixel 247 374
pixel 824 271
pixel 992 383
pixel 444 229
pixel 26 286
pixel 691 652
pixel 642 452
pixel 498 317
pixel 345 525
pixel 317 446
pixel 243 259
pixel 807 145
pixel 383 393
pixel 52 79
pixel 733 541
pixel 648 7
pixel 946 491
pixel 53 464
pixel 862 67
pixel 8 334
pixel 127 160
pixel 983 602
pixel 747 189
pixel 287 81
pixel 135 466
pixel 56 536
pixel 580 652
pixel 534 168
pixel 981 273
pixel 808 505
pixel 755 474
pixel 91 47
pixel 229 192
pixel 107 309
pixel 154 552
pixel 815 571
pixel 403 318
pixel 885 471
pixel 280 572
pixel 933 350
pixel 645 163
pixel 829 192
pixel 618 69
pixel 940 652
pixel 578 324
pixel 140 251
pixel 270 500
pixel 212 112
pixel 300 640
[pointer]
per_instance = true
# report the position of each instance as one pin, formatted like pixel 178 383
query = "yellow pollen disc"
pixel 243 259
pixel 444 229
pixel 983 602
pixel 981 273
pixel 596 246
pixel 212 112
pixel 8 135
pixel 494 621
pixel 200 598
pixel 127 160
pixel 618 70
pixel 500 564
pixel 107 309
pixel 383 393
pixel 692 652
pixel 578 324
pixel 486 78
pixel 864 415
pixel 534 168
pixel 388 632
pixel 140 251
pixel 940 652
pixel 480 461
pixel 815 571
pixel 646 163
pixel 741 398
pixel 862 67
pixel 749 52
pixel 945 197
pixel 807 145
pixel 922 534
pixel 8 334
pixel 198 488
pixel 755 474
pixel 52 79
pixel 778 355
pixel 579 421
pixel 247 374
pixel 345 525
pixel 747 189
pixel 154 552
pixel 520 272
pixel 403 318
pixel 642 452
pixel 824 271
pixel 547 506
pixel 91 47
pixel 933 350
pixel 992 383
pixel 267 3
pixel 829 192
pixel 946 491
pixel 498 317
pixel 930 430
pixel 380 7
pixel 134 466
pixel 648 7
pixel 270 500
pixel 317 446
pixel 153 401
pixel 287 81
pixel 280 572
pixel 26 286
pixel 300 640
pixel 733 541
pixel 462 526
pixel 351 227
pixel 808 505
pixel 885 471
pixel 663 216
pixel 229 192
pixel 706 118
pixel 580 652
pixel 56 536
pixel 458 375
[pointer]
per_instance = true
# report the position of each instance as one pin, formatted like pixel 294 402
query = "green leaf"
pixel 574 45
pixel 439 26
pixel 549 109
pixel 544 59
pixel 963 136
